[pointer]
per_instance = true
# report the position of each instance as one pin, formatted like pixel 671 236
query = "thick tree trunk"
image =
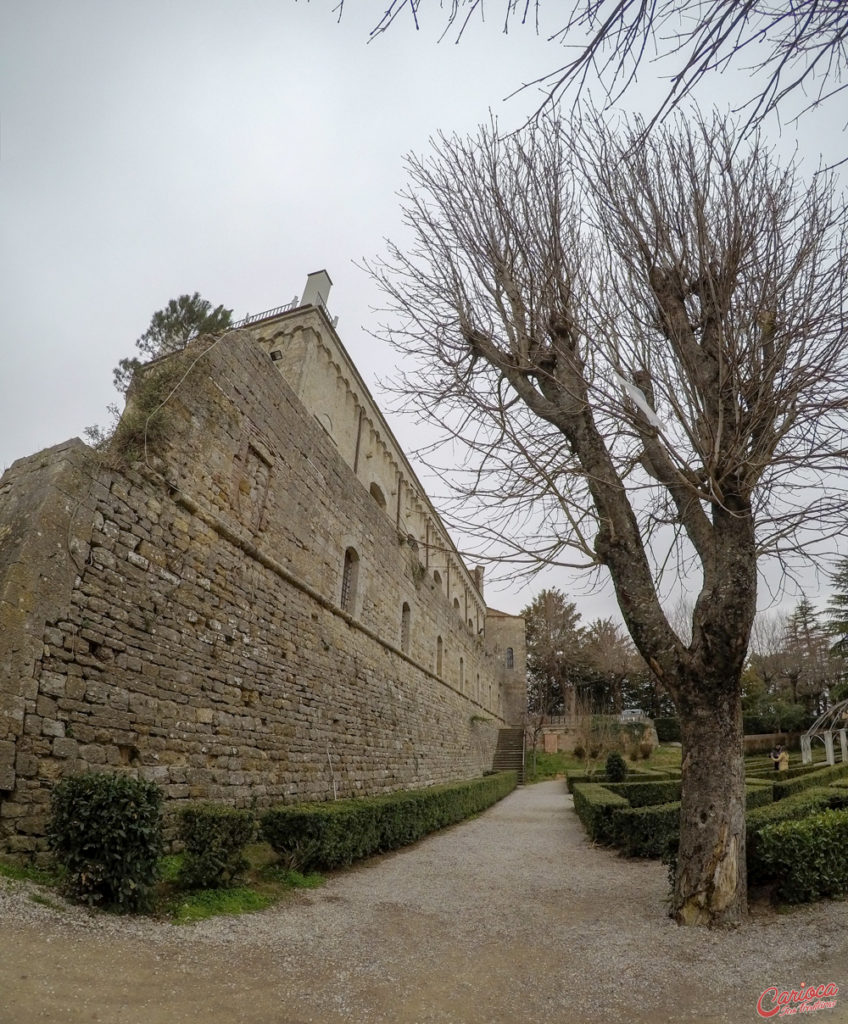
pixel 711 883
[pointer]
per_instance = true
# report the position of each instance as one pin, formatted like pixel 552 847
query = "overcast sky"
pixel 151 149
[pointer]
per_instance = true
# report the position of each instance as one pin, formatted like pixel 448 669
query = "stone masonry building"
pixel 249 598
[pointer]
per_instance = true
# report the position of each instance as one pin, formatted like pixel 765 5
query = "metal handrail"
pixel 277 311
pixel 266 315
pixel 523 755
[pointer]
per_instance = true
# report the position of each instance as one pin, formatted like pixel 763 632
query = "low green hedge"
pixel 214 837
pixel 594 804
pixel 335 834
pixel 646 831
pixel 792 808
pixel 579 775
pixel 806 857
pixel 641 831
pixel 668 729
pixel 106 832
pixel 758 793
pixel 644 794
pixel 787 787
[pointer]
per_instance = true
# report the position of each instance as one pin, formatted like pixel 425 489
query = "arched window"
pixel 456 607
pixel 350 578
pixel 461 673
pixel 377 495
pixel 440 651
pixel 510 658
pixel 404 628
pixel 437 577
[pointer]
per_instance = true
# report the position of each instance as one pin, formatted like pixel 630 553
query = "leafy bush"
pixel 106 831
pixel 788 773
pixel 616 769
pixel 214 838
pixel 788 787
pixel 644 793
pixel 594 805
pixel 792 808
pixel 668 730
pixel 333 835
pixel 572 778
pixel 807 856
pixel 758 793
pixel 647 831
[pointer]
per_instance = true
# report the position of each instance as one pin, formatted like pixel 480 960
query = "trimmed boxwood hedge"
pixel 768 772
pixel 668 729
pixel 787 787
pixel 797 842
pixel 644 794
pixel 640 831
pixel 646 831
pixel 578 775
pixel 335 834
pixel 792 808
pixel 594 804
pixel 806 857
pixel 215 837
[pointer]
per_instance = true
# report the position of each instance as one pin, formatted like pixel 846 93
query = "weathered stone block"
pixel 63 747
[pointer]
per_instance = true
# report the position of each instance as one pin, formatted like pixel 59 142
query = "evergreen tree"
pixel 837 610
pixel 170 330
pixel 553 648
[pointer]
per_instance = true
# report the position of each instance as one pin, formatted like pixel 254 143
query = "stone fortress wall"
pixel 240 615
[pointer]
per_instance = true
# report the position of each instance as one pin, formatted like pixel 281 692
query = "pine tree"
pixel 170 330
pixel 553 643
pixel 837 609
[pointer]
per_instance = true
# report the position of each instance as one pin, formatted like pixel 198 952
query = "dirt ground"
pixel 510 917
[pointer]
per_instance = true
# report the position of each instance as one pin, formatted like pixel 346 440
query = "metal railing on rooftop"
pixel 253 318
pixel 269 314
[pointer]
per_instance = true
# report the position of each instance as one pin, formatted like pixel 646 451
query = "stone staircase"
pixel 509 754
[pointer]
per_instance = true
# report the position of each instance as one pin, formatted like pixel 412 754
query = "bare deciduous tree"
pixel 641 353
pixel 787 47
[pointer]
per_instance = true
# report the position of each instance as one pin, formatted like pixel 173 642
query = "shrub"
pixel 792 808
pixel 645 750
pixel 106 831
pixel 616 769
pixel 333 835
pixel 594 805
pixel 647 831
pixel 572 778
pixel 645 793
pixel 650 829
pixel 215 838
pixel 668 730
pixel 579 751
pixel 758 793
pixel 788 787
pixel 807 857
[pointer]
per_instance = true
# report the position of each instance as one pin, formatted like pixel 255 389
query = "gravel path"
pixel 511 917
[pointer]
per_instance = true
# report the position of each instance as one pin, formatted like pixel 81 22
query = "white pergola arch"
pixel 834 722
